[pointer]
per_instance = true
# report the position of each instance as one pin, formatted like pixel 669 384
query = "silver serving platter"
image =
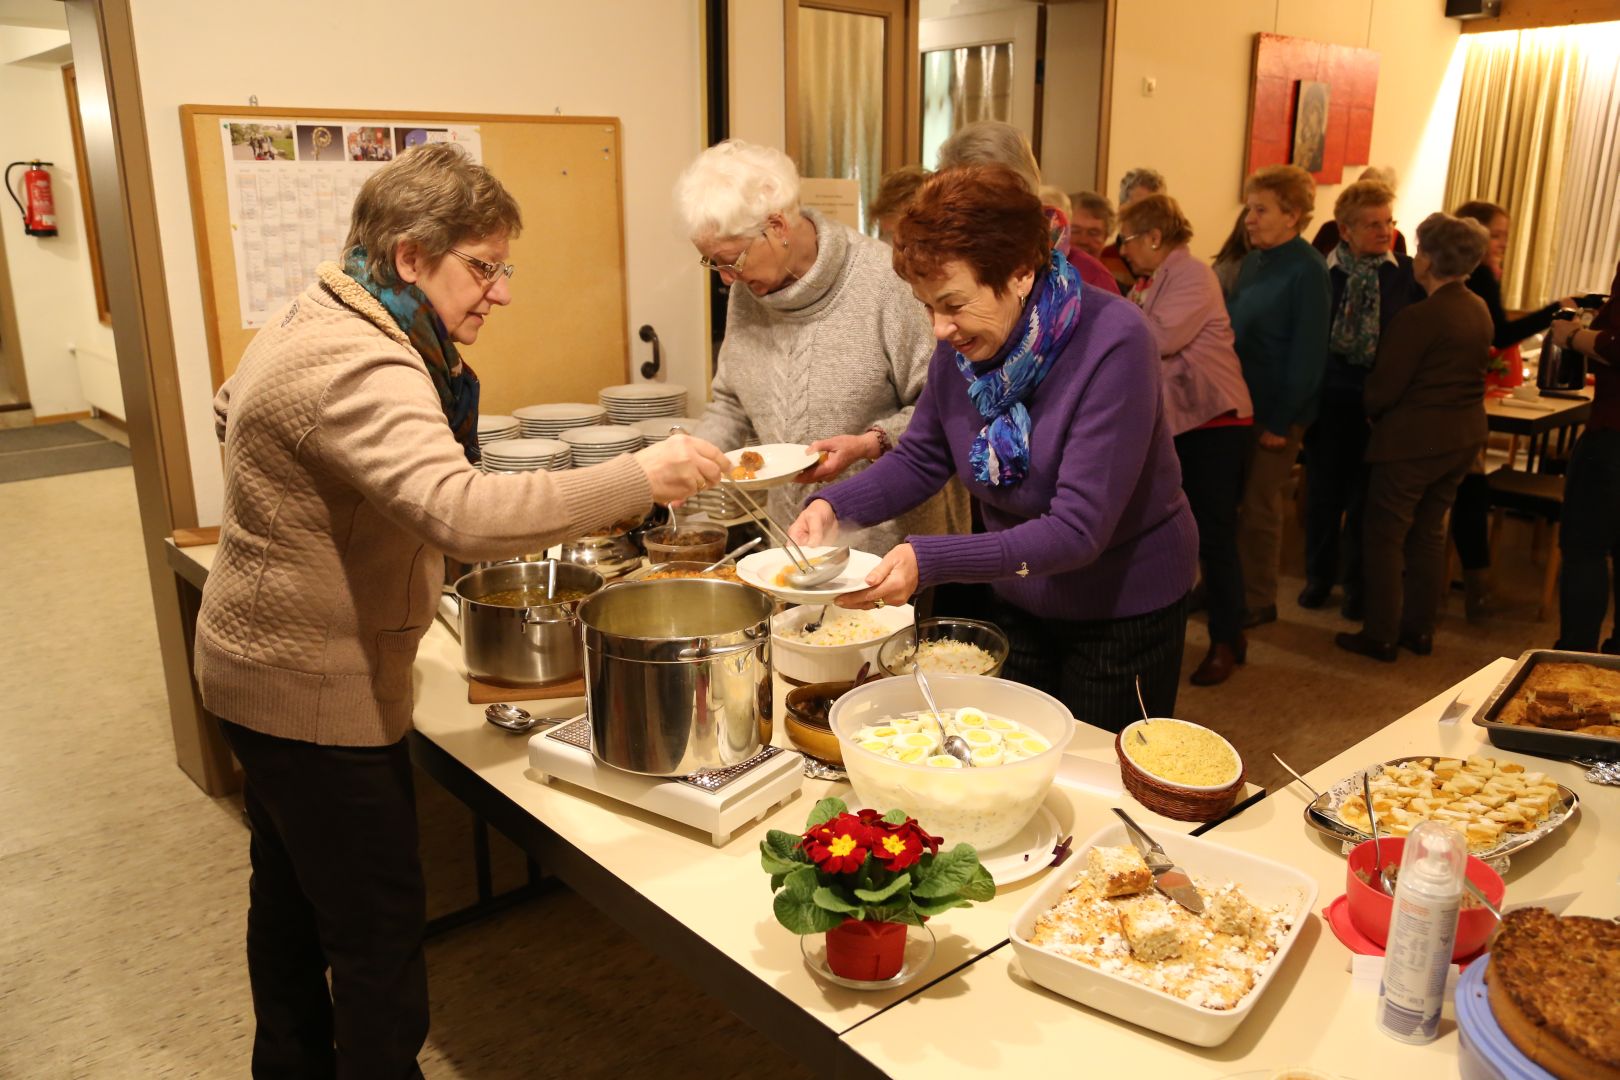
pixel 1322 814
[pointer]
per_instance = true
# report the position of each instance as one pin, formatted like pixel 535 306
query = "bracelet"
pixel 884 443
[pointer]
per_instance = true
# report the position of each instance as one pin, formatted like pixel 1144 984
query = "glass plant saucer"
pixel 919 951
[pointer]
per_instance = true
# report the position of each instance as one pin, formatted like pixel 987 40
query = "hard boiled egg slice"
pixel 987 755
pixel 876 746
pixel 925 741
pixel 1033 744
pixel 969 717
pixel 977 737
pixel 881 731
pixel 1000 723
pixel 912 755
pixel 943 761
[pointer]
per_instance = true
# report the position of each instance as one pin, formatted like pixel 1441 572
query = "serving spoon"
pixel 732 555
pixel 517 720
pixel 954 745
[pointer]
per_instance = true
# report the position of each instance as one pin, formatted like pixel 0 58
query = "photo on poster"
pixel 368 143
pixel 405 138
pixel 261 142
pixel 320 142
pixel 1310 126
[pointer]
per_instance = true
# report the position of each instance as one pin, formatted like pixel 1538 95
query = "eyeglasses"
pixel 729 268
pixel 488 271
pixel 1377 226
pixel 1127 239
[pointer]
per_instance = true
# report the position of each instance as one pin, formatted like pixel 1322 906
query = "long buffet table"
pixel 708 909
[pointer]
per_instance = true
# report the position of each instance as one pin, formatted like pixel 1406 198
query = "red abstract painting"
pixel 1281 65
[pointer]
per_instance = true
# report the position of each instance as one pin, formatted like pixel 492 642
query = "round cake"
pixel 1554 988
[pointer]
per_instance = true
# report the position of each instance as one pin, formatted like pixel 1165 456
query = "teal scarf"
pixel 1356 324
pixel 452 377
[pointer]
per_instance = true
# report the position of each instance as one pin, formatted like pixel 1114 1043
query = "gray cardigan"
pixel 842 349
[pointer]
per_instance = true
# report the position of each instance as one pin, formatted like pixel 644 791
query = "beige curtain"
pixel 841 99
pixel 1589 206
pixel 1513 123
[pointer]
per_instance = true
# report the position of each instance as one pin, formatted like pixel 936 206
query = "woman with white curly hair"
pixel 824 343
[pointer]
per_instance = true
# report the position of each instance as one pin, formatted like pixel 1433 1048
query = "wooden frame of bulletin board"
pixel 565 334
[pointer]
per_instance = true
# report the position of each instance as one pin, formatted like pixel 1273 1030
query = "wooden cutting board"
pixel 482 693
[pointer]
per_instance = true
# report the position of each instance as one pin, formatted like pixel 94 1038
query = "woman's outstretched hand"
pixel 681 466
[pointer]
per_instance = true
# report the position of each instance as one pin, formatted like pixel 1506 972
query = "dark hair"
pixel 1479 210
pixel 896 190
pixel 1237 241
pixel 983 215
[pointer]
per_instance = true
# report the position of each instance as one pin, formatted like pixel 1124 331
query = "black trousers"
pixel 1405 541
pixel 1470 522
pixel 1091 666
pixel 337 884
pixel 1212 465
pixel 1588 537
pixel 1335 492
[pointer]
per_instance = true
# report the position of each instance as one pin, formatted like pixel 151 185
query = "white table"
pixel 1310 1015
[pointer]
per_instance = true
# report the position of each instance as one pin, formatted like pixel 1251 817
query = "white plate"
pixel 1027 854
pixel 603 435
pixel 783 461
pixel 563 411
pixel 760 570
pixel 642 391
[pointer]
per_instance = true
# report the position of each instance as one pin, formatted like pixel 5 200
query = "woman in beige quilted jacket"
pixel 350 433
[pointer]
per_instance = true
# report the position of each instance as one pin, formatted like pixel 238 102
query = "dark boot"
pixel 1363 645
pixel 1260 616
pixel 1220 661
pixel 1315 594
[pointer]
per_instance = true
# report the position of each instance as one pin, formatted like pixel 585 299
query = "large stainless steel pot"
pixel 522 646
pixel 677 674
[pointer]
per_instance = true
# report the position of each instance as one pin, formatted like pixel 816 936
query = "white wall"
pixel 1192 129
pixel 638 60
pixel 50 276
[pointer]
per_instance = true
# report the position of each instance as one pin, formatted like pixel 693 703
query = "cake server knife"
pixel 1168 878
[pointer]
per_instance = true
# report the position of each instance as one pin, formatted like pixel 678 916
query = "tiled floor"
pixel 124 888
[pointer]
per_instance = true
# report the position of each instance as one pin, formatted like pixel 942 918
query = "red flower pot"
pixel 868 951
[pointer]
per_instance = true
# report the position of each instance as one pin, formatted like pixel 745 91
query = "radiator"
pixel 98 380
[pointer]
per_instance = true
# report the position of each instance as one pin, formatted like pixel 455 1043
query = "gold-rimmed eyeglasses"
pixel 732 267
pixel 491 272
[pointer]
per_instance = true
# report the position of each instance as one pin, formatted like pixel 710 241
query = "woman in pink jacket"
pixel 1206 406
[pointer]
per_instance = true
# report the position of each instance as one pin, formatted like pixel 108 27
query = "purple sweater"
pixel 1099 528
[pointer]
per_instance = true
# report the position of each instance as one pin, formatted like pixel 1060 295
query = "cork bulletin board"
pixel 563 337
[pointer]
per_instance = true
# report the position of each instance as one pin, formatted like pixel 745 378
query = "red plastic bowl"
pixel 1370 906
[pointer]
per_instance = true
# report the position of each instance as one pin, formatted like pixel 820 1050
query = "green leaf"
pixel 795 905
pixel 824 811
pixel 929 908
pixel 949 873
pixel 776 881
pixel 981 888
pixel 779 853
pixel 896 817
pixel 900 885
pixel 829 900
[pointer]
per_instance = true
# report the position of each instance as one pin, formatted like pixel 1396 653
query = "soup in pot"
pixel 530 596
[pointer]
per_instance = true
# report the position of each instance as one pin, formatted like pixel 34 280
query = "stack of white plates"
pixel 719 506
pixel 550 421
pixel 524 455
pixel 642 401
pixel 593 445
pixel 658 430
pixel 496 428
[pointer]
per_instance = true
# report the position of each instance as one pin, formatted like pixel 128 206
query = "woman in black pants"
pixel 1206 405
pixel 1589 534
pixel 1472 508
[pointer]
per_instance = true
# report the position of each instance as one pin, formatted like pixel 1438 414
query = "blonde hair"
pixel 732 187
pixel 992 142
pixel 1384 174
pixel 1157 212
pixel 1292 187
pixel 433 196
pixel 1052 195
pixel 897 190
pixel 1359 196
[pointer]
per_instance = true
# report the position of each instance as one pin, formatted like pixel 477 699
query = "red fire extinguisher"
pixel 39 215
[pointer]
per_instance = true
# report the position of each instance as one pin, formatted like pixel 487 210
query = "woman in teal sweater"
pixel 1280 310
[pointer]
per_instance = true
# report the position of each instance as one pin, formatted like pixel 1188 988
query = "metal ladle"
pixel 730 556
pixel 954 745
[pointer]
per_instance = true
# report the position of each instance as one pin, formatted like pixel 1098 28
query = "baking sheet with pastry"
pixel 1592 702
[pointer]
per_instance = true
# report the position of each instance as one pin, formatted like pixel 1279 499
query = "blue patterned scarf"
pixel 452 377
pixel 1000 454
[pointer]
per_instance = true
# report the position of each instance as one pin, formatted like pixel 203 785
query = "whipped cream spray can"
pixel 1422 929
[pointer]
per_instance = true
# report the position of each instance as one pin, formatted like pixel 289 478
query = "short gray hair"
pixel 434 196
pixel 1454 246
pixel 733 187
pixel 1384 174
pixel 992 142
pixel 1362 195
pixel 1097 206
pixel 1152 179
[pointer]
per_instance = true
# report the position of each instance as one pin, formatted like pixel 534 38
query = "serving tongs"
pixel 1168 878
pixel 810 572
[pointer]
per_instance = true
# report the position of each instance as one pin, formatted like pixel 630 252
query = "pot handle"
pixel 570 616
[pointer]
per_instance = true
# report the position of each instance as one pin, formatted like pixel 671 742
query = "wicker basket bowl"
pixel 1178 801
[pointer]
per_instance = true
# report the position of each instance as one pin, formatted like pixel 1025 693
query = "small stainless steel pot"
pixel 677 674
pixel 609 556
pixel 522 646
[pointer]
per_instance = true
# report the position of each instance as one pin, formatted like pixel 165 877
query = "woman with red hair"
pixel 1043 398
